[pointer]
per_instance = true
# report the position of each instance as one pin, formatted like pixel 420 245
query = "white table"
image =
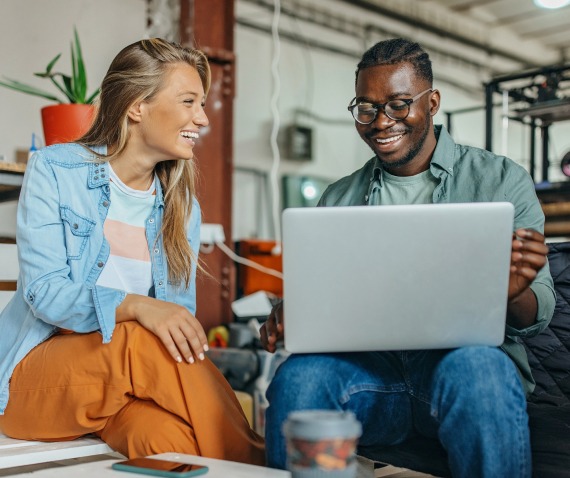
pixel 217 469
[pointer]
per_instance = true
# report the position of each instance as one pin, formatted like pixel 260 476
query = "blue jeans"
pixel 470 398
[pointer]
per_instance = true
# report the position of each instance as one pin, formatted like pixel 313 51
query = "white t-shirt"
pixel 128 267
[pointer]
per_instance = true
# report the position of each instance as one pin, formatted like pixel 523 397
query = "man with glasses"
pixel 473 398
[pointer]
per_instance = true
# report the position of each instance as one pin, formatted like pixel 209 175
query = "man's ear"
pixel 434 102
pixel 135 112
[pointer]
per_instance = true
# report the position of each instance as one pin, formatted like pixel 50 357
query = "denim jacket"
pixel 468 174
pixel 62 250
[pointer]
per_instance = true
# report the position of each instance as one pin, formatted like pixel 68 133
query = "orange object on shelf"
pixel 251 280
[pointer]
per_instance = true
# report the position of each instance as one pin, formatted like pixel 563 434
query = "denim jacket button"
pixel 151 220
pixel 156 251
pixel 75 226
pixel 100 264
pixel 160 283
pixel 96 178
pixel 106 203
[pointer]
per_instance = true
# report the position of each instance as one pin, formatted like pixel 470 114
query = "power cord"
pixel 246 262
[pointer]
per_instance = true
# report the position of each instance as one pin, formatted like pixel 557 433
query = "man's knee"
pixel 302 377
pixel 477 365
pixel 484 376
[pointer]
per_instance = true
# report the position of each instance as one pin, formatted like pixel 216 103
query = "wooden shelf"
pixel 11 177
pixel 12 167
pixel 557 218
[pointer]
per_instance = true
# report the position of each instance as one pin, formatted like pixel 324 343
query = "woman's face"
pixel 170 122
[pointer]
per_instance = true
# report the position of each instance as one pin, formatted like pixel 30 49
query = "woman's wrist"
pixel 128 309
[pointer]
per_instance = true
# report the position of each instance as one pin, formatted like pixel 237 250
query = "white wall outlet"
pixel 211 233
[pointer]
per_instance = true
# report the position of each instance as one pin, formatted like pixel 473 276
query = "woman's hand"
pixel 180 332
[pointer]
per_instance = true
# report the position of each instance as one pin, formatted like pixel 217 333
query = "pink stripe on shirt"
pixel 126 240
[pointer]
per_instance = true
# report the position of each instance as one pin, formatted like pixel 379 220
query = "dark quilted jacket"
pixel 549 358
pixel 549 352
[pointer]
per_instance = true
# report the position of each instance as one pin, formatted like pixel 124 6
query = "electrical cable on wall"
pixel 246 262
pixel 273 175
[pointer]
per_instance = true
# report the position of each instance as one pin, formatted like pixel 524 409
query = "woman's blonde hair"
pixel 136 74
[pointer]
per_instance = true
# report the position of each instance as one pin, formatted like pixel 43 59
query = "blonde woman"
pixel 101 335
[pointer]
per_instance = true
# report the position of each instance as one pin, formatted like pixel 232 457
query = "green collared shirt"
pixel 468 174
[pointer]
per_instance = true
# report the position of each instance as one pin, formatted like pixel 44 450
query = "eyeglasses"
pixel 398 110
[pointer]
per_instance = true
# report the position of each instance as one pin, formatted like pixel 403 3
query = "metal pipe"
pixel 489 90
pixel 532 164
pixel 545 160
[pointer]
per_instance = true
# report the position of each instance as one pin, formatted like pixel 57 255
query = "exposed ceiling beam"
pixel 546 31
pixel 463 7
pixel 418 23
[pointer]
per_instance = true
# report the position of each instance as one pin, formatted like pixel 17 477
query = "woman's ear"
pixel 135 112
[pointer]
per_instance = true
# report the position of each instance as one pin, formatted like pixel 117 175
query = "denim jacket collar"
pixel 98 175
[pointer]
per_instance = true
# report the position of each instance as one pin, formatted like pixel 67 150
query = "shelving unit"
pixel 537 98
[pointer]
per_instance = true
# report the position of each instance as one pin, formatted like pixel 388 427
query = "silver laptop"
pixel 396 277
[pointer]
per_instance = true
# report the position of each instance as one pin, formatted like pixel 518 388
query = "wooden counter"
pixel 11 178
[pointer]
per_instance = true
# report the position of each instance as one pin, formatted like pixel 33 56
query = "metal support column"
pixel 532 155
pixel 489 90
pixel 545 160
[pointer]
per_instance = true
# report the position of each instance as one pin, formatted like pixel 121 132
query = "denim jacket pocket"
pixel 77 231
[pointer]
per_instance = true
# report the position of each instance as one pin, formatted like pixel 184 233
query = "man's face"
pixel 404 147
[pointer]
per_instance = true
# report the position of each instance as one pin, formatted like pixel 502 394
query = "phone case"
pixel 121 466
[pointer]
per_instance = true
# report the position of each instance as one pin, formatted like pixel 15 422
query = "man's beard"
pixel 412 153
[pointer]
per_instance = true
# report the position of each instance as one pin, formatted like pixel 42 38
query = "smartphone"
pixel 149 466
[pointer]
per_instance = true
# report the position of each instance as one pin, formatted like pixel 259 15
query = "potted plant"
pixel 72 115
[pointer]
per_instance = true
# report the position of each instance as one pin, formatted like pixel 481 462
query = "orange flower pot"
pixel 64 123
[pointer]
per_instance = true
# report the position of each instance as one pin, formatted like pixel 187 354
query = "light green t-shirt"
pixel 416 189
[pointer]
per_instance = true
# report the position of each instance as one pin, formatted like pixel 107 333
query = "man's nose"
pixel 382 121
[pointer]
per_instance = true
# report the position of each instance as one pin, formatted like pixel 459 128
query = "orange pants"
pixel 132 394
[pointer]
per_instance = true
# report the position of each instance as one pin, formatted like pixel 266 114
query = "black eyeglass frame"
pixel 382 106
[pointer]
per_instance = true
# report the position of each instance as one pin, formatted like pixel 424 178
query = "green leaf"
pixel 80 76
pixel 68 82
pixel 52 63
pixel 29 90
pixel 74 87
pixel 91 99
pixel 48 73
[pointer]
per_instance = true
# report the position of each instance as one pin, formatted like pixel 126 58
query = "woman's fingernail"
pixel 201 356
pixel 191 359
pixel 179 359
pixel 206 348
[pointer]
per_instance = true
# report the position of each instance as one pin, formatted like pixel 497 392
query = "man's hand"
pixel 528 256
pixel 273 329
